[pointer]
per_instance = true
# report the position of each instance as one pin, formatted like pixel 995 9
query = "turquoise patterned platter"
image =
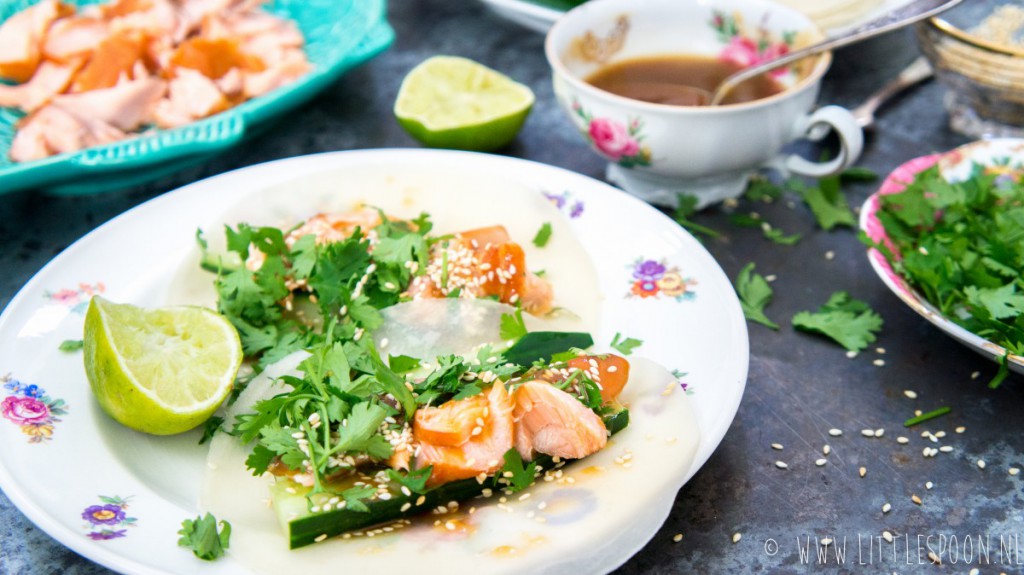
pixel 340 34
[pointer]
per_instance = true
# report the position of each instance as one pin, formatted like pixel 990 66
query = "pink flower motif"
pixel 775 51
pixel 613 139
pixel 740 51
pixel 65 296
pixel 24 410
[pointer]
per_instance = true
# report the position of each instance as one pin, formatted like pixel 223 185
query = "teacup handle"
pixel 815 127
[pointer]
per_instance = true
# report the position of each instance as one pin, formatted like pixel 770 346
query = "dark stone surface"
pixel 799 386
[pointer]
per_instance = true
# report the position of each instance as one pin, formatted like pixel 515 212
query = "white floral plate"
pixel 538 15
pixel 1001 156
pixel 118 497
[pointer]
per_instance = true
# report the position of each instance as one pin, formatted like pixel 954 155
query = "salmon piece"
pixel 53 130
pixel 482 452
pixel 50 79
pixel 70 38
pixel 451 424
pixel 125 106
pixel 281 71
pixel 113 60
pixel 550 421
pixel 21 38
pixel 150 17
pixel 610 371
pixel 214 58
pixel 191 96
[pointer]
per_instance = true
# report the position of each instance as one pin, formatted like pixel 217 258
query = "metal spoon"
pixel 918 71
pixel 912 12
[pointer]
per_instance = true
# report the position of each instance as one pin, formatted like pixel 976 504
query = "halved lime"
pixel 160 371
pixel 451 102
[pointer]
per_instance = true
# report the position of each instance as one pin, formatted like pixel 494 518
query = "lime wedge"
pixel 160 371
pixel 451 102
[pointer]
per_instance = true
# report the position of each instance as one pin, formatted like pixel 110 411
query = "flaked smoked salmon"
pixel 550 421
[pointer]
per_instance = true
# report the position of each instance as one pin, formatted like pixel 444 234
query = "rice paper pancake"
pixel 600 513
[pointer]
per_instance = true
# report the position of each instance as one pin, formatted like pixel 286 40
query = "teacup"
pixel 659 151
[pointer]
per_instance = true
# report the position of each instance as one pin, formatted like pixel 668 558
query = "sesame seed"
pixel 886 508
pixel 405 507
pixel 902 439
pixel 384 342
pixel 422 499
pixel 781 464
pixel 384 496
pixel 867 432
pixel 974 571
pixel 820 462
pixel 946 448
pixel 940 434
pixel 406 491
pixel 770 278
pixel 835 432
pixel 736 537
pixel 917 413
pixel 1014 471
pixel 777 446
pixel 863 471
pixel 829 255
pixel 880 350
pixel 929 485
pixel 887 536
pixel 975 375
pixel 910 394
pixel 915 499
pixel 961 429
pixel 449 525
pixel 612 368
pixel 677 537
pixel 851 354
pixel 524 497
pixel 934 558
pixel 879 362
pixel 826 541
pixel 981 464
pixel 826 449
pixel 320 537
pixel 879 432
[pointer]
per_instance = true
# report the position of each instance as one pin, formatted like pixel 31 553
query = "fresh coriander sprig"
pixel 203 537
pixel 755 294
pixel 850 323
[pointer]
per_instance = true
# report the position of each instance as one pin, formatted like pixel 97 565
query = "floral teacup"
pixel 659 151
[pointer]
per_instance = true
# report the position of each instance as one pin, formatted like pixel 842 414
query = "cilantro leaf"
pixel 543 235
pixel 625 346
pixel 517 474
pixel 202 536
pixel 353 497
pixel 777 236
pixel 999 303
pixel 762 189
pixel 69 345
pixel 827 202
pixel 402 363
pixel 684 212
pixel 359 432
pixel 512 326
pixel 851 323
pixel 210 427
pixel 415 480
pixel 755 294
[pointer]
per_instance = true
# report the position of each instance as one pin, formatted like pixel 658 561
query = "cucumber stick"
pixel 304 526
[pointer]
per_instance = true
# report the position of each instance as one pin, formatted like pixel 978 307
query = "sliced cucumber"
pixel 294 508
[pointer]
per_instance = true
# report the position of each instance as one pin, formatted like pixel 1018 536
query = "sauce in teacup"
pixel 667 79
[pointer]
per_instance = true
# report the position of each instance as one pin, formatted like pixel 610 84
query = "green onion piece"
pixel 926 416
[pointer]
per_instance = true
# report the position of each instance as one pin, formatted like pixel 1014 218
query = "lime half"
pixel 160 371
pixel 451 102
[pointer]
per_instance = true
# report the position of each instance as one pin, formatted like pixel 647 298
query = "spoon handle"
pixel 912 12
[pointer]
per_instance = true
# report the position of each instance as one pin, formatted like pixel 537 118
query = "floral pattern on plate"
pixel 109 520
pixel 76 299
pixel 653 278
pixel 745 47
pixel 680 375
pixel 620 142
pixel 567 203
pixel 29 407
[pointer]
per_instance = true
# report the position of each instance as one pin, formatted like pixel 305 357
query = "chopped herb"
pixel 513 326
pixel 779 237
pixel 518 474
pixel 70 345
pixel 755 294
pixel 402 363
pixel 686 209
pixel 625 346
pixel 762 189
pixel 354 496
pixel 543 235
pixel 210 427
pixel 926 416
pixel 416 480
pixel 203 538
pixel 851 323
pixel 858 174
pixel 826 201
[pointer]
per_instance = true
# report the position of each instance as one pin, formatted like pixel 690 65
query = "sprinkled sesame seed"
pixel 384 496
pixel 406 491
pixel 320 537
pixel 910 394
pixel 974 571
pixel 835 432
pixel 975 375
pixel 677 537
pixel 405 507
pixel 826 541
pixel 863 471
pixel 934 558
pixel 851 354
pixel 960 429
pixel 917 413
pixel 929 485
pixel 940 434
pixel 886 508
pixel 449 525
pixel 829 255
pixel 879 432
pixel 915 499
pixel 826 449
pixel 781 464
pixel 879 362
pixel 422 498
pixel 902 439
pixel 524 497
pixel 880 350
pixel 946 448
pixel 1014 471
pixel 867 432
pixel 612 368
pixel 736 537
pixel 981 464
pixel 887 536
pixel 820 462
pixel 770 278
pixel 777 446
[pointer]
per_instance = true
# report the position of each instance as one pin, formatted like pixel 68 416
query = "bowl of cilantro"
pixel 946 235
